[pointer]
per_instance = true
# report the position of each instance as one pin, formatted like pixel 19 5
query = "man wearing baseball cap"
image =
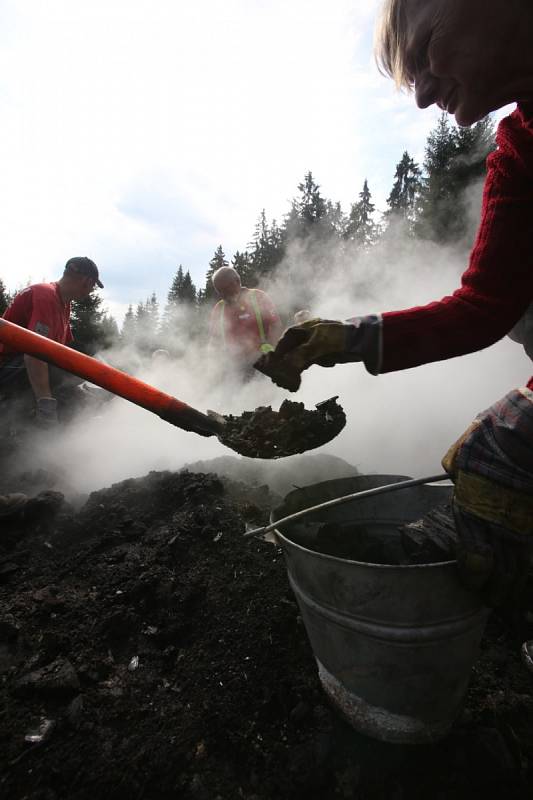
pixel 45 309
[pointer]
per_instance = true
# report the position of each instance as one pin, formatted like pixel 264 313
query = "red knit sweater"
pixel 497 287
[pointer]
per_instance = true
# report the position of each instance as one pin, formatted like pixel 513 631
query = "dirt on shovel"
pixel 264 433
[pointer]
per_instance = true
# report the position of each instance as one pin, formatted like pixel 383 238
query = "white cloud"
pixel 145 133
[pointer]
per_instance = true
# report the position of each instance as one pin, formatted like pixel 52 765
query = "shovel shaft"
pixel 120 383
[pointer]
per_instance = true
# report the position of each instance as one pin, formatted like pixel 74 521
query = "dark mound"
pixel 149 652
pixel 265 433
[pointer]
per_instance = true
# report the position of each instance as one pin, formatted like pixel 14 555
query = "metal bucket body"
pixel 394 644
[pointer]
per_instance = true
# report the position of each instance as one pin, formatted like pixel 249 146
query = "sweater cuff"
pixel 365 339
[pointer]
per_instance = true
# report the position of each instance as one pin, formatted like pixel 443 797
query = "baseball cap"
pixel 84 266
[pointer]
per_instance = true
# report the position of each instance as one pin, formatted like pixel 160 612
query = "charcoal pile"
pixel 431 539
pixel 148 651
pixel 264 433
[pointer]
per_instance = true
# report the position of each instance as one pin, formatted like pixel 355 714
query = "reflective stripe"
pixel 265 346
pixel 258 317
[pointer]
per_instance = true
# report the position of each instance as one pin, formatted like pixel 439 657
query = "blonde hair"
pixel 390 43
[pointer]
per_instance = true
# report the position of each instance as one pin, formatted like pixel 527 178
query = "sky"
pixel 144 133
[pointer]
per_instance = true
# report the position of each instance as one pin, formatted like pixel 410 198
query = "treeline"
pixel 427 201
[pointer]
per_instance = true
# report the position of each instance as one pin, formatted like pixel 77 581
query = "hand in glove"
pixel 46 412
pixel 316 341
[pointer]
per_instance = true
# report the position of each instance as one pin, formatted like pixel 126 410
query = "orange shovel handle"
pixel 121 384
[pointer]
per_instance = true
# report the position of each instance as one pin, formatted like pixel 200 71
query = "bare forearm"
pixel 39 376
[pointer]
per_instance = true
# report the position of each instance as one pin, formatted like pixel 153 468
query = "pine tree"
pixel 307 210
pixel 438 197
pixel 188 290
pixel 335 219
pixel 129 327
pixel 361 227
pixel 267 250
pixel 243 263
pixel 4 297
pixel 140 326
pixel 176 288
pixel 152 308
pixel 472 146
pixel 455 157
pixel 405 190
pixel 148 323
pixel 218 260
pixel 86 318
pixel 108 333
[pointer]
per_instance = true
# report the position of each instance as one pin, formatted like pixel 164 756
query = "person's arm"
pixel 495 290
pixel 274 332
pixel 39 376
pixel 272 322
pixel 46 405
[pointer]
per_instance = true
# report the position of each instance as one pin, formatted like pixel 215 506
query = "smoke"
pixel 401 423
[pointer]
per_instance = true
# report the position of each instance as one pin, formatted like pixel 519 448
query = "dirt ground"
pixel 152 652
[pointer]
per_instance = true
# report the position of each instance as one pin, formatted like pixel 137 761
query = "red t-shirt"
pixel 233 326
pixel 497 287
pixel 40 308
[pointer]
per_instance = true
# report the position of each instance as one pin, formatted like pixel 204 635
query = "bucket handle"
pixel 391 487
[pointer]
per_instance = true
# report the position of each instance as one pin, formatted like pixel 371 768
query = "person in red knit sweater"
pixel 469 58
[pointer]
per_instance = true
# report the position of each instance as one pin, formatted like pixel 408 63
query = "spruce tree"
pixel 243 263
pixel 361 228
pixel 176 288
pixel 266 248
pixel 129 327
pixel 218 260
pixel 307 210
pixel 146 326
pixel 472 146
pixel 108 333
pixel 188 290
pixel 182 293
pixel 85 320
pixel 455 157
pixel 334 219
pixel 405 190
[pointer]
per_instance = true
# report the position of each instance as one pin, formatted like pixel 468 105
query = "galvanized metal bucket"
pixel 394 644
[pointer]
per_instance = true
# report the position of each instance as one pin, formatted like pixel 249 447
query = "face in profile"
pixel 458 55
pixel 83 285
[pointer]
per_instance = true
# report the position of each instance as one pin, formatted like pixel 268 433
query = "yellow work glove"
pixel 316 341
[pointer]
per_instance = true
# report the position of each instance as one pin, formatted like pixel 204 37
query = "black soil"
pixel 264 433
pixel 160 655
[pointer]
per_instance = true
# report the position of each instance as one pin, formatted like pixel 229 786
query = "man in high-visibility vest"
pixel 244 323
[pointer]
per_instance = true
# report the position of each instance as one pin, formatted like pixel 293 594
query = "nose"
pixel 426 89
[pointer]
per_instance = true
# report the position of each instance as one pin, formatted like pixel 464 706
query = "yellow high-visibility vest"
pixel 265 347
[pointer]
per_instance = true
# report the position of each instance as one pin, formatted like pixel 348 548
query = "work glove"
pixel 316 341
pixel 494 522
pixel 46 412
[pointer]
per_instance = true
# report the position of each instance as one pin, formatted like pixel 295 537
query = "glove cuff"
pixel 47 404
pixel 364 340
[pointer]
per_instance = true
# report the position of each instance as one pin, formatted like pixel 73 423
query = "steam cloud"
pixel 400 423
